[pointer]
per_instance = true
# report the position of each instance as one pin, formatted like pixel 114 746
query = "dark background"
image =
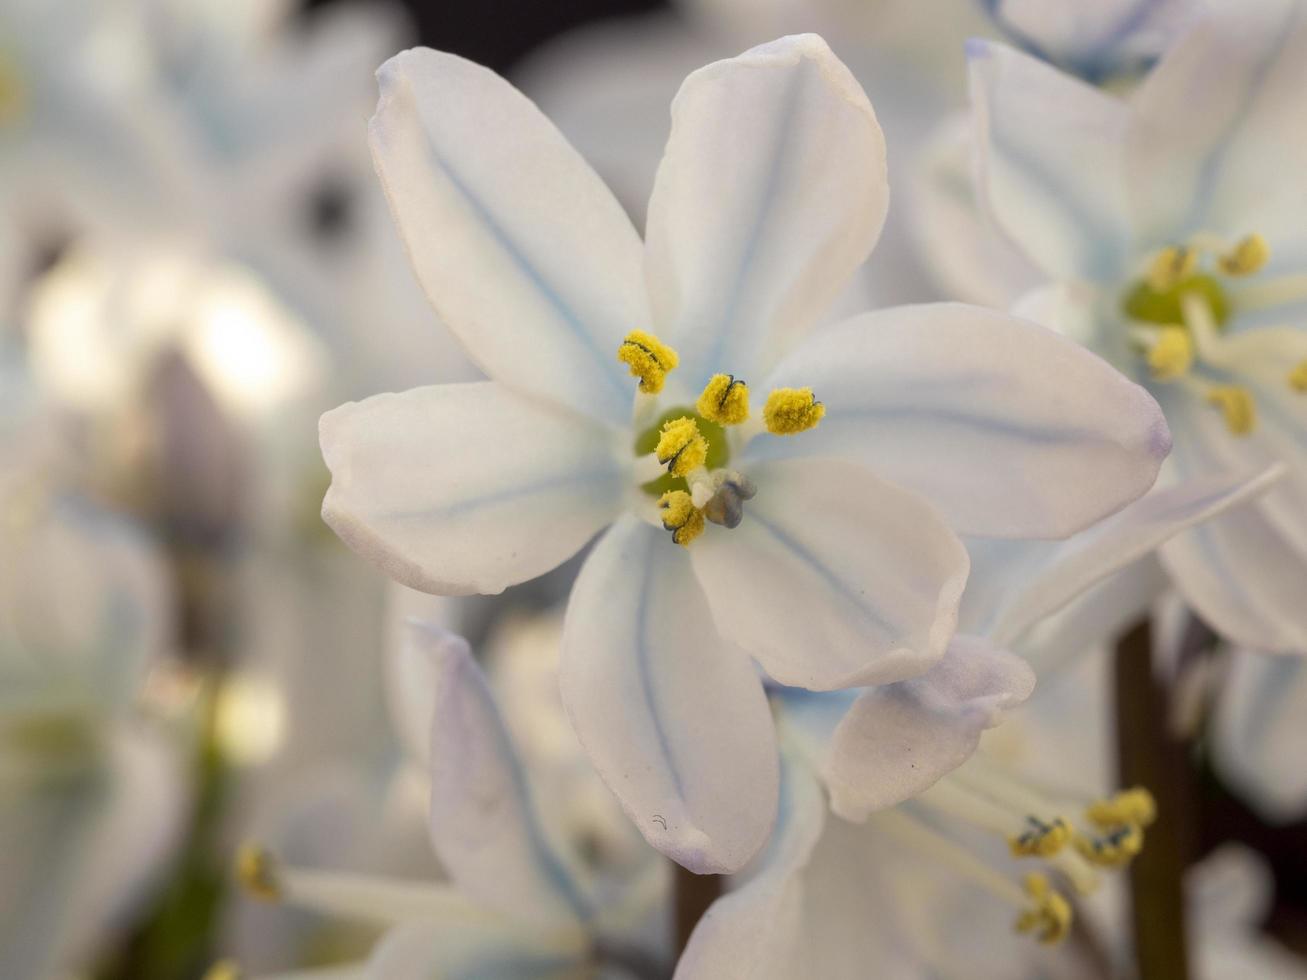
pixel 497 33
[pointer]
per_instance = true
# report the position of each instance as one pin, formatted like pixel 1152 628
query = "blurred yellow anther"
pixel 1237 405
pixel 725 400
pixel 256 870
pixel 1134 805
pixel 648 358
pixel 1049 914
pixel 680 446
pixel 1042 839
pixel 223 970
pixel 1298 378
pixel 791 410
pixel 680 516
pixel 12 95
pixel 1170 266
pixel 1172 354
pixel 1247 257
pixel 1114 849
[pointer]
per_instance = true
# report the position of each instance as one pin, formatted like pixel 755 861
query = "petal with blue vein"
pixel 1258 743
pixel 834 579
pixel 771 192
pixel 525 254
pixel 1216 141
pixel 1055 573
pixel 1050 162
pixel 457 951
pixel 899 739
pixel 460 489
pixel 673 717
pixel 1006 427
pixel 757 930
pixel 483 818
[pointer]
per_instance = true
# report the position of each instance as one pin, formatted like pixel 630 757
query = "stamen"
pixel 1114 849
pixel 1246 258
pixel 725 400
pixel 648 358
pixel 256 870
pixel 1134 805
pixel 1237 405
pixel 1171 355
pixel 1049 916
pixel 680 446
pixel 681 517
pixel 1042 839
pixel 791 410
pixel 1298 378
pixel 223 970
pixel 1170 267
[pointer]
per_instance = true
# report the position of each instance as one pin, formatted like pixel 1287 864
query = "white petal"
pixel 524 253
pixel 1044 576
pixel 756 931
pixel 1008 428
pixel 899 739
pixel 1223 149
pixel 457 489
pixel 771 192
pixel 834 579
pixel 456 951
pixel 418 649
pixel 672 716
pixel 1049 161
pixel 1258 744
pixel 484 823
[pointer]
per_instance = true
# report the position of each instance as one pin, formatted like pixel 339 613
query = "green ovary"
pixel 1143 302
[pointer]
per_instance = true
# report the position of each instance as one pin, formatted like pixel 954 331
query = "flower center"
pixel 693 445
pixel 1179 307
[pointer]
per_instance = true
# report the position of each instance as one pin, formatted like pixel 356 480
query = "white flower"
pixel 769 195
pixel 835 890
pixel 1171 224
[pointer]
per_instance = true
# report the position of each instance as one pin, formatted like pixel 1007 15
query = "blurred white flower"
pixel 1170 225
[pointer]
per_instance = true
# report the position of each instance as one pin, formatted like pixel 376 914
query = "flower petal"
pixel 834 579
pixel 1258 747
pixel 1032 580
pixel 673 717
pixel 1008 428
pixel 756 931
pixel 1049 161
pixel 898 740
pixel 771 192
pixel 524 253
pixel 457 951
pixel 483 817
pixel 458 489
pixel 1222 150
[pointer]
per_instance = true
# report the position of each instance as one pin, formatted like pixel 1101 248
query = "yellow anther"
pixel 681 517
pixel 1134 805
pixel 13 98
pixel 1172 354
pixel 791 410
pixel 1237 405
pixel 256 870
pixel 1042 839
pixel 648 358
pixel 680 446
pixel 1247 257
pixel 725 400
pixel 1298 378
pixel 223 970
pixel 1049 915
pixel 1171 265
pixel 1114 849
